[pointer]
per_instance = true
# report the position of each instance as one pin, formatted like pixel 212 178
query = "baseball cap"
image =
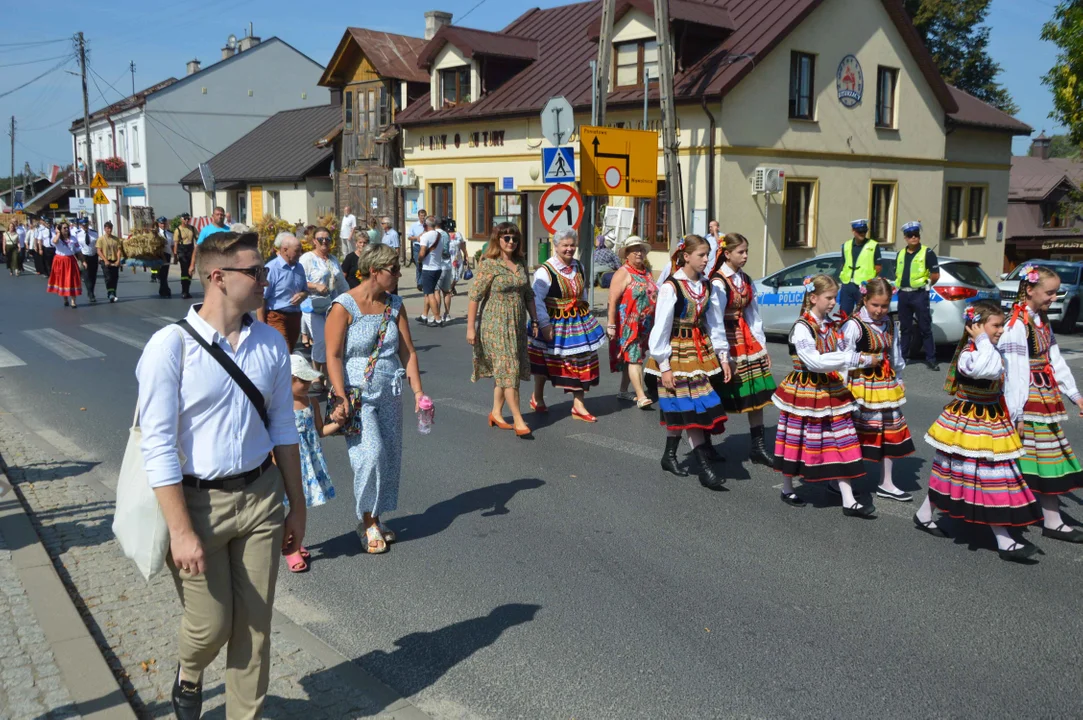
pixel 302 370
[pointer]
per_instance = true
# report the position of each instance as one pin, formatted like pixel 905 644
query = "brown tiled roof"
pixel 393 56
pixel 283 148
pixel 976 113
pixel 472 42
pixel 1024 221
pixel 1033 178
pixel 127 103
pixel 565 51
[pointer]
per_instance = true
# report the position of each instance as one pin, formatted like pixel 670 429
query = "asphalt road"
pixel 568 577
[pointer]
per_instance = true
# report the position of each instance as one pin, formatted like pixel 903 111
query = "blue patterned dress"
pixel 375 452
pixel 314 475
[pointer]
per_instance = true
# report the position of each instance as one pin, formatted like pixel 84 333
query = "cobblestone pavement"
pixel 30 682
pixel 134 622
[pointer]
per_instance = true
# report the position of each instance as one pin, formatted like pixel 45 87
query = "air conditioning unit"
pixel 768 180
pixel 404 177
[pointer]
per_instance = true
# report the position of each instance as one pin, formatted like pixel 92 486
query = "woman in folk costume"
pixel 877 390
pixel 751 384
pixel 687 333
pixel 815 438
pixel 564 351
pixel 975 477
pixel 632 295
pixel 1036 375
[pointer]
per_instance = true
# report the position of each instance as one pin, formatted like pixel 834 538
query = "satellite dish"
pixel 231 42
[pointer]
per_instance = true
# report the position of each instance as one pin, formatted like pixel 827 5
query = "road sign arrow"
pixel 567 208
pixel 626 157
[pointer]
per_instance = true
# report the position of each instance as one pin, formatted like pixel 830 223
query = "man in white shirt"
pixel 432 265
pixel 86 240
pixel 43 243
pixel 207 454
pixel 20 229
pixel 414 237
pixel 345 232
pixel 391 236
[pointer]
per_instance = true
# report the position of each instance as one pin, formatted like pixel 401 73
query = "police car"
pixel 1064 313
pixel 961 282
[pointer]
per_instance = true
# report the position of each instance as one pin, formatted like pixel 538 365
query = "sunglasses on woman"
pixel 257 273
pixel 394 270
pixel 509 239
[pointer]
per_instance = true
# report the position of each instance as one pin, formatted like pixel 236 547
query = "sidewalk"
pixel 133 624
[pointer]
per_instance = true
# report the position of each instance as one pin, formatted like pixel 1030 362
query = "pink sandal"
pixel 296 563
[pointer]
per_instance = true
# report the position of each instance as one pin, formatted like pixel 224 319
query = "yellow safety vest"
pixel 864 268
pixel 919 274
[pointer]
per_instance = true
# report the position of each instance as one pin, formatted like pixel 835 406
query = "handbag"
pixel 352 426
pixel 138 523
pixel 468 274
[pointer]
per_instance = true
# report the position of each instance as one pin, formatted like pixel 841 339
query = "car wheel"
pixel 1070 318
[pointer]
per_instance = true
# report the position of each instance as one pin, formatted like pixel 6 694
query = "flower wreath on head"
pixel 864 288
pixel 809 286
pixel 970 314
pixel 1030 272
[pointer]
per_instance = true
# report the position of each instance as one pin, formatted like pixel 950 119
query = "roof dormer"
pixel 465 64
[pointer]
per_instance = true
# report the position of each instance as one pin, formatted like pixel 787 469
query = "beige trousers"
pixel 232 601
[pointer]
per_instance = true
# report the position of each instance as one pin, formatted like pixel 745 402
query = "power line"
pixel 35 42
pixel 39 77
pixel 31 62
pixel 476 6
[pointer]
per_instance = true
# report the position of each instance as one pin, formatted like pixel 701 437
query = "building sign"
pixel 1062 245
pixel 484 138
pixel 849 81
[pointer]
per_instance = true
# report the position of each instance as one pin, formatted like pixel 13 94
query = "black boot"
pixel 707 478
pixel 712 454
pixel 669 457
pixel 759 455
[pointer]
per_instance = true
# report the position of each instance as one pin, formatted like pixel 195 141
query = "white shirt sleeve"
pixel 1013 344
pixel 159 376
pixel 851 334
pixel 755 322
pixel 897 360
pixel 664 274
pixel 541 289
pixel 1062 372
pixel 659 343
pixel 716 322
pixel 984 362
pixel 816 361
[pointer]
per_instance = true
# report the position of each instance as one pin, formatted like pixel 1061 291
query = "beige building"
pixel 840 96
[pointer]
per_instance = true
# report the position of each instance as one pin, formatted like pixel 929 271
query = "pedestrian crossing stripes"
pixel 64 346
pixel 118 333
pixel 160 320
pixel 620 445
pixel 8 359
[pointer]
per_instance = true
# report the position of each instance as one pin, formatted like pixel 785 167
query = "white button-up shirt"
pixel 209 418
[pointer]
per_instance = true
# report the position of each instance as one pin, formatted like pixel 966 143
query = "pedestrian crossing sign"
pixel 559 164
pixel 98 183
pixel 100 198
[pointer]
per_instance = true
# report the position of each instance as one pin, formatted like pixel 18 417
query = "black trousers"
pixel 184 256
pixel 90 274
pixel 915 306
pixel 163 279
pixel 50 253
pixel 112 274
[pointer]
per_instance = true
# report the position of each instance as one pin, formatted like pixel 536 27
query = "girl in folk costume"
pixel 632 295
pixel 975 477
pixel 877 390
pixel 687 330
pixel 815 437
pixel 1036 375
pixel 751 384
pixel 565 348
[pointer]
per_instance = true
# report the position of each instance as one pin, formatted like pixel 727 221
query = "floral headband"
pixel 1030 272
pixel 864 288
pixel 809 287
pixel 970 314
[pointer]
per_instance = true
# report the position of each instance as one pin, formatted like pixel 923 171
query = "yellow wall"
pixel 450 57
pixel 363 71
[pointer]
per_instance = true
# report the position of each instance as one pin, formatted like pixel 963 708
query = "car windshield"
pixel 969 273
pixel 1068 275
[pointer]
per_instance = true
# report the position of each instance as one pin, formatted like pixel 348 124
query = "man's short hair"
pixel 421 210
pixel 430 221
pixel 220 248
pixel 385 220
pixel 280 238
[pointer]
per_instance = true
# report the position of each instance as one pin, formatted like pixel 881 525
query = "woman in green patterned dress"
pixel 502 291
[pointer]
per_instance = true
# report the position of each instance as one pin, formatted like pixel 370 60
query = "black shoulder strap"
pixel 234 372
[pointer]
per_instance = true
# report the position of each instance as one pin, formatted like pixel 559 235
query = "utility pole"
pixel 669 121
pixel 600 73
pixel 131 66
pixel 86 115
pixel 11 187
pixel 605 57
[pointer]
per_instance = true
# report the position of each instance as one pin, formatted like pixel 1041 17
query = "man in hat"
pixel 861 262
pixel 86 240
pixel 184 243
pixel 162 273
pixel 916 270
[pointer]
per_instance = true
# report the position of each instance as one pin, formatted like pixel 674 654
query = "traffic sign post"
pixel 100 198
pixel 618 162
pixel 98 183
pixel 557 120
pixel 561 209
pixel 558 164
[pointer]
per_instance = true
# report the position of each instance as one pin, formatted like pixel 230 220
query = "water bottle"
pixel 424 415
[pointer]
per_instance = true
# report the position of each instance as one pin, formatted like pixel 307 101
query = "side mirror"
pixel 1003 276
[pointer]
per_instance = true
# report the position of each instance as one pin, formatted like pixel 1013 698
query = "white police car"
pixel 1064 313
pixel 961 282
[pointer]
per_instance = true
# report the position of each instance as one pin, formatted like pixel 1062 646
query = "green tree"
pixel 1062 147
pixel 1065 30
pixel 955 35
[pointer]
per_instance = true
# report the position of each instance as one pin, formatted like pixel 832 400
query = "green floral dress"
pixel 500 347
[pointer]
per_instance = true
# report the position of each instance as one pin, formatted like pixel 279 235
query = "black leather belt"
pixel 231 483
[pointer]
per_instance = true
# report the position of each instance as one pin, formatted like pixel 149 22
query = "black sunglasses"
pixel 257 273
pixel 509 238
pixel 324 241
pixel 393 270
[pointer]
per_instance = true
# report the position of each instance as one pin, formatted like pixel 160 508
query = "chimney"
pixel 247 43
pixel 434 20
pixel 227 52
pixel 1039 146
pixel 193 67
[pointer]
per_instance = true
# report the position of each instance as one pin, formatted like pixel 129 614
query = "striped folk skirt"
pixel 752 384
pixel 815 438
pixel 881 427
pixel 64 279
pixel 570 361
pixel 694 404
pixel 1049 466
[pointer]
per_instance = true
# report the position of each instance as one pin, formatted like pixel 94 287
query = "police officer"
pixel 916 270
pixel 162 273
pixel 860 262
pixel 184 242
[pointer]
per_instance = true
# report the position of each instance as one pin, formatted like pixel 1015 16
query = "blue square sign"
pixel 558 164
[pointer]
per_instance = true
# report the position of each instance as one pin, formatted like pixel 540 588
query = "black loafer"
pixel 1022 554
pixel 1072 534
pixel 867 512
pixel 792 499
pixel 187 698
pixel 930 528
pixel 933 366
pixel 899 495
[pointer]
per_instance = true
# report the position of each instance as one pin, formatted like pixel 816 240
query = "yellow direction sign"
pixel 100 198
pixel 618 162
pixel 54 206
pixel 98 183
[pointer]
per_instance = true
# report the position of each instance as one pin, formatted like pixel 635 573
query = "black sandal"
pixel 1065 532
pixel 1020 552
pixel 792 499
pixel 866 512
pixel 929 527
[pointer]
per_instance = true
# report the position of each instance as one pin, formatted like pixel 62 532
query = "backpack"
pixel 445 245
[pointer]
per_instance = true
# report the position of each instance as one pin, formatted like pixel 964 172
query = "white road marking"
pixel 619 445
pixel 461 405
pixel 64 346
pixel 8 359
pixel 116 332
pixel 160 320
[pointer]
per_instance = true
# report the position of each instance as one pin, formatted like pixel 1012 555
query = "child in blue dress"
pixel 310 428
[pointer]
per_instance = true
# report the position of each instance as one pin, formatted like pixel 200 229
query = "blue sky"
pixel 161 38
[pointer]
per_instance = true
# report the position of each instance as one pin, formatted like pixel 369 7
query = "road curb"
pixel 88 678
